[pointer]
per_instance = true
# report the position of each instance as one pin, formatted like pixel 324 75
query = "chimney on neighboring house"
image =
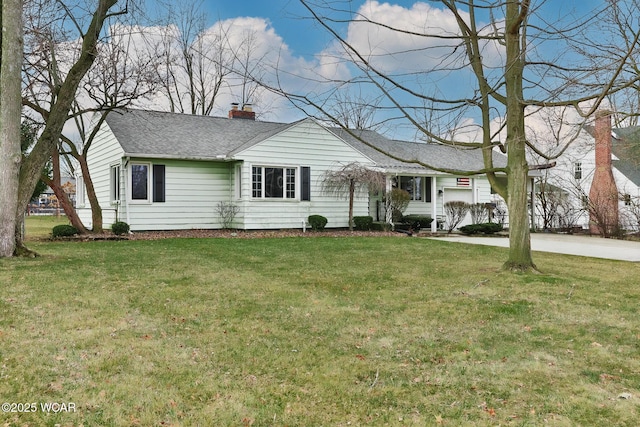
pixel 603 196
pixel 245 113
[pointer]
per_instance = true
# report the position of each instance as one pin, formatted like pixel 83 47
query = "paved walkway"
pixel 590 246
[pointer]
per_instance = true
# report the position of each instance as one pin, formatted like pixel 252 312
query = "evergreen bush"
pixel 120 227
pixel 484 228
pixel 363 223
pixel 416 222
pixel 317 222
pixel 64 230
pixel 380 226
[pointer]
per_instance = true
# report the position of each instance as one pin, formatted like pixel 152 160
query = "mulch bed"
pixel 231 234
pixel 254 234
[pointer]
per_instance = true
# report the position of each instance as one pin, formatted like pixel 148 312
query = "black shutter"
pixel 427 189
pixel 305 189
pixel 158 183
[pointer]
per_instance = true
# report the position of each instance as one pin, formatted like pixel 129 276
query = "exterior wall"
pixel 104 152
pixel 562 176
pixel 193 190
pixel 304 145
pixel 447 189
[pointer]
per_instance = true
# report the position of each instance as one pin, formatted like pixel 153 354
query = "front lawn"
pixel 315 331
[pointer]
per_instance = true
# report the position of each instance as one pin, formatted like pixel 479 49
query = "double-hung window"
pixel 140 181
pixel 147 182
pixel 268 182
pixel 418 187
pixel 577 170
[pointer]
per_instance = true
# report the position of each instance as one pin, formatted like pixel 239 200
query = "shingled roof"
pixel 437 156
pixel 626 147
pixel 154 134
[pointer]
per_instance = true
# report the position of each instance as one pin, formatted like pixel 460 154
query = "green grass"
pixel 39 227
pixel 316 331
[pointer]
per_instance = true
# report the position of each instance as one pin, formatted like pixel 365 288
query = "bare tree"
pixel 196 60
pixel 64 95
pixel 497 49
pixel 355 111
pixel 11 42
pixel 349 179
pixel 120 75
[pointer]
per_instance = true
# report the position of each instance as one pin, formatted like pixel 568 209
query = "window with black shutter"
pixel 305 189
pixel 158 183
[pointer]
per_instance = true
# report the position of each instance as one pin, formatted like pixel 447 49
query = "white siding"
pixel 305 144
pixel 192 191
pixel 104 152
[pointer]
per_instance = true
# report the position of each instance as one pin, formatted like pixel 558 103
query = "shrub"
pixel 227 213
pixel 416 222
pixel 455 212
pixel 120 227
pixel 317 222
pixel 397 202
pixel 64 230
pixel 485 228
pixel 380 226
pixel 363 222
pixel 479 213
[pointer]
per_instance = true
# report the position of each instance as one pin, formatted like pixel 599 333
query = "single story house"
pixel 167 171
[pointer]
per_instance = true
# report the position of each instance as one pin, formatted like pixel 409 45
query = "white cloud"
pixel 421 38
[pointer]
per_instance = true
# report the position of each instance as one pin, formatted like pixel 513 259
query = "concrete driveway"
pixel 589 246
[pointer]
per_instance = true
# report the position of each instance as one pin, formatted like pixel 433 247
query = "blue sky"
pixel 291 20
pixel 288 23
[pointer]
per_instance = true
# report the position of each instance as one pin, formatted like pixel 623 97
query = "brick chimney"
pixel 246 113
pixel 603 196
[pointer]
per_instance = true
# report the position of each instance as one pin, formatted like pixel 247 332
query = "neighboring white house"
pixel 166 171
pixel 576 169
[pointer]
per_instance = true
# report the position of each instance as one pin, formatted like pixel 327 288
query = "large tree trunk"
pixel 56 185
pixel 11 46
pixel 32 165
pixel 96 210
pixel 519 238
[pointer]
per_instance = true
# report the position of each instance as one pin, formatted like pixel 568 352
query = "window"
pixel 577 170
pixel 419 188
pixel 143 185
pixel 585 201
pixel 627 199
pixel 273 182
pixel 139 182
pixel 115 183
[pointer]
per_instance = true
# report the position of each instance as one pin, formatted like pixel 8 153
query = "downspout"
pixel 125 163
pixel 434 204
pixel 532 226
